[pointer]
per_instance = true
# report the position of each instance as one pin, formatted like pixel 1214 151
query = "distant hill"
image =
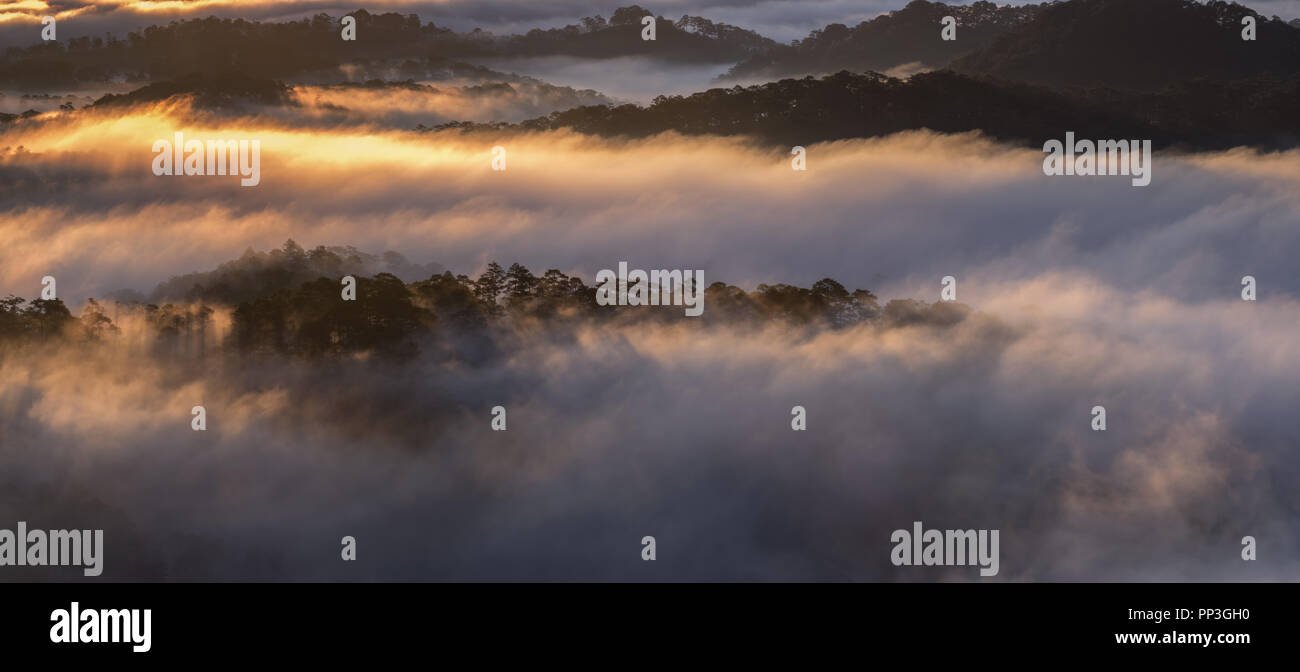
pixel 1131 44
pixel 1137 45
pixel 281 50
pixel 909 36
pixel 1262 111
pixel 1204 114
pixel 224 90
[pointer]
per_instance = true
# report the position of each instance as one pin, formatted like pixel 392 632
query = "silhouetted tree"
pixel 520 282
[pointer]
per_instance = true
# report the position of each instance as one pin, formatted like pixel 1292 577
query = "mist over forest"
pixel 822 288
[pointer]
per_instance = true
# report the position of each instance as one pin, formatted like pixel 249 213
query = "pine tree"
pixel 520 282
pixel 490 284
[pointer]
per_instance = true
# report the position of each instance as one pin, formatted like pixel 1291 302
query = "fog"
pixel 683 433
pixel 1086 291
pixel 893 214
pixel 632 79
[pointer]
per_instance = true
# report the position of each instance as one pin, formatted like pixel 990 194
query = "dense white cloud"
pixel 892 214
pixel 682 432
pixel 1090 292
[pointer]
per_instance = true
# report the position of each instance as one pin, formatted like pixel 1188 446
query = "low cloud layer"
pixel 683 433
pixel 894 214
pixel 406 106
pixel 627 79
pixel 1088 292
